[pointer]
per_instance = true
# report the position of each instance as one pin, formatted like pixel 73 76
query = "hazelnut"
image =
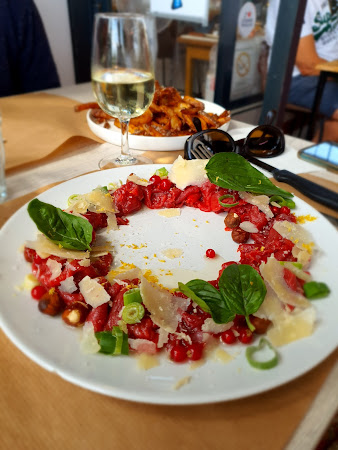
pixel 75 314
pixel 50 303
pixel 232 220
pixel 239 236
pixel 261 325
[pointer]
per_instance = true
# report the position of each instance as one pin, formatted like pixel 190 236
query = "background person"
pixel 26 62
pixel 318 43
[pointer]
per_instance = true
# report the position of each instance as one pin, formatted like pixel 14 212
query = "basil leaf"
pixel 71 232
pixel 232 171
pixel 242 288
pixel 208 298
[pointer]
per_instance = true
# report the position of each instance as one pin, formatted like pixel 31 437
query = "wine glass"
pixel 122 75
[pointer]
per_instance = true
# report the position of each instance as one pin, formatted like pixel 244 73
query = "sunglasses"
pixel 264 141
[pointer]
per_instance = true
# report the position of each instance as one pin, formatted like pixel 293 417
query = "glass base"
pixel 122 161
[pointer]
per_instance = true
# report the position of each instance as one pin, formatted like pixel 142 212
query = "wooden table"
pixel 327 69
pixel 40 410
pixel 197 48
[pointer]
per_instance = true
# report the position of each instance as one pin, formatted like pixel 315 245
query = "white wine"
pixel 123 93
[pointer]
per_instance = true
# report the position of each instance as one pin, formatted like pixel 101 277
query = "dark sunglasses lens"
pixel 208 143
pixel 265 142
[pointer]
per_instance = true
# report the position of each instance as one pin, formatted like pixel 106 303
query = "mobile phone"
pixel 324 154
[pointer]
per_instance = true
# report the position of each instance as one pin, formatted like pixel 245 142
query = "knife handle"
pixel 312 190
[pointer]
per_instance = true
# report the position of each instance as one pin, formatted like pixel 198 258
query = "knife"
pixel 312 190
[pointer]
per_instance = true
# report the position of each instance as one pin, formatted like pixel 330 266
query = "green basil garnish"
pixel 71 232
pixel 208 298
pixel 232 171
pixel 241 291
pixel 314 290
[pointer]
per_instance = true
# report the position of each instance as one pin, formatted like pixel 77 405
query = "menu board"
pixel 186 10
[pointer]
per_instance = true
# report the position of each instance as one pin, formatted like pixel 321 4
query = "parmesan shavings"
pixel 93 292
pixel 273 274
pixel 44 248
pixel 96 201
pixel 142 346
pixel 248 226
pixel 54 267
pixel 210 326
pixel 68 285
pixel 297 325
pixel 88 341
pixel 172 253
pixel 146 361
pixel 137 180
pixel 295 233
pixel 169 212
pixel 162 305
pixel 261 201
pixel 181 382
pixel 185 173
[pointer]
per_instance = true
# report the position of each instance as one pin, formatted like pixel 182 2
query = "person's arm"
pixel 307 57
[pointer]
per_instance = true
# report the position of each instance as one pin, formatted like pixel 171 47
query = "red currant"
pixel 245 336
pixel 178 353
pixel 228 337
pixel 38 291
pixel 155 180
pixel 284 210
pixel 165 184
pixel 210 253
pixel 195 351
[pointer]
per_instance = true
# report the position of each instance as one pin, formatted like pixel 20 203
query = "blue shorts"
pixel 303 90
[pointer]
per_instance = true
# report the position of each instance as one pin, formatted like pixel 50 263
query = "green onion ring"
pixel 262 365
pixel 133 313
pixel 227 205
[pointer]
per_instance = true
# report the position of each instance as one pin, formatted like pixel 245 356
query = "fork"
pixel 201 152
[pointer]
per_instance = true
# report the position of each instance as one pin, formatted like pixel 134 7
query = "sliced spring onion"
pixel 262 365
pixel 113 342
pixel 132 296
pixel 296 264
pixel 114 186
pixel 227 205
pixel 72 199
pixel 162 172
pixel 314 290
pixel 133 313
pixel 121 347
pixel 283 201
pixel 106 341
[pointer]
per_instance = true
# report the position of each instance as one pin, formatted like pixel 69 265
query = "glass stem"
pixel 125 152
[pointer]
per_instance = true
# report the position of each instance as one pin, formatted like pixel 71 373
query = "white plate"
pixel 54 346
pixel 160 144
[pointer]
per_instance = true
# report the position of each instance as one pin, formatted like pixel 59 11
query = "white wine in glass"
pixel 122 75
